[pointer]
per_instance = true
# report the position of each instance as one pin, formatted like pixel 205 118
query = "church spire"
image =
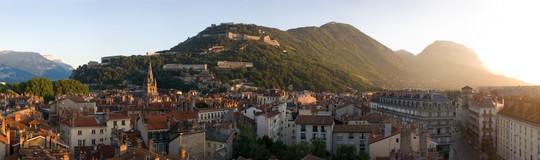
pixel 150 75
pixel 151 84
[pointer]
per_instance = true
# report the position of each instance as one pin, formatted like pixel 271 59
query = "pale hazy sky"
pixel 503 33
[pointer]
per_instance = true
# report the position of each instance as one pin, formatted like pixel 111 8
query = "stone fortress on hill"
pixel 236 36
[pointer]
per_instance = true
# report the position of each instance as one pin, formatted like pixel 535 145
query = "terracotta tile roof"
pixel 183 115
pixel 35 122
pixel 354 128
pixel 163 105
pixel 118 116
pixel 157 122
pixel 77 99
pixel 102 152
pixel 315 120
pixel 268 114
pixel 243 118
pixel 83 122
pixel 377 137
pixel 3 138
pixel 242 158
pixel 311 157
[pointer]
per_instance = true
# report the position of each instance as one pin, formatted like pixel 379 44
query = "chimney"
pixel 405 143
pixel 107 113
pixel 151 145
pixel 387 130
pixel 73 116
pixel 423 143
pixel 139 143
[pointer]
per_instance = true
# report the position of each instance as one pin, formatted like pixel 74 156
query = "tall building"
pixel 429 110
pixel 482 118
pixel 150 86
pixel 462 108
pixel 518 129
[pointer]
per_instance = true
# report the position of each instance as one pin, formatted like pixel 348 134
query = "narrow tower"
pixel 151 84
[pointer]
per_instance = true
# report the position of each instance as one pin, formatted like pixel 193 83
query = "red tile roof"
pixel 157 122
pixel 314 120
pixel 118 116
pixel 183 115
pixel 311 157
pixel 243 118
pixel 83 122
pixel 3 138
pixel 77 99
pixel 268 114
pixel 377 137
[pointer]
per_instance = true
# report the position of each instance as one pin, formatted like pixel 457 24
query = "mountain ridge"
pixel 34 64
pixel 331 57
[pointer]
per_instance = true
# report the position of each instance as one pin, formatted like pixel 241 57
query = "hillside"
pixel 9 74
pixel 445 63
pixel 332 57
pixel 32 64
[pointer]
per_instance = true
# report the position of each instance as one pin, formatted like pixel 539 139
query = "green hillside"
pixel 334 57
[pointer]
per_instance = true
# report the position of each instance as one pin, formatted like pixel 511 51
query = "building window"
pixel 79 142
pixel 93 131
pixel 79 132
pixel 339 139
pixel 315 129
pixel 303 128
pixel 351 136
pixel 324 137
pixel 101 131
pixel 123 122
pixel 322 129
pixel 114 123
pixel 161 147
pixel 101 140
pixel 303 136
pixel 93 141
pixel 397 140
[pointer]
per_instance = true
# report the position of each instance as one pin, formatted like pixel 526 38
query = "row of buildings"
pixel 430 110
pixel 168 124
pixel 503 122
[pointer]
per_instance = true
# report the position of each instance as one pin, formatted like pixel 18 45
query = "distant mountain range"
pixel 332 57
pixel 22 66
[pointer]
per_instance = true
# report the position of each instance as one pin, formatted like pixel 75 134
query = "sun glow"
pixel 507 37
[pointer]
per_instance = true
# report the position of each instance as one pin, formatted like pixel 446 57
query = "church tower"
pixel 151 84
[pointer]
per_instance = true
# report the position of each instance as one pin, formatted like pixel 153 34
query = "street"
pixel 464 151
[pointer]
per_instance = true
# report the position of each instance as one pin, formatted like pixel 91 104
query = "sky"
pixel 503 33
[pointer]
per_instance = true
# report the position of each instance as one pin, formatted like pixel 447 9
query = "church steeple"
pixel 151 84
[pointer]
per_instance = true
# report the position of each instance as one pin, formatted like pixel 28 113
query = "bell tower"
pixel 151 84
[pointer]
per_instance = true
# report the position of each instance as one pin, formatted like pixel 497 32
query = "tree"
pixel 363 155
pixel 319 147
pixel 69 86
pixel 248 146
pixel 346 152
pixel 42 87
pixel 298 151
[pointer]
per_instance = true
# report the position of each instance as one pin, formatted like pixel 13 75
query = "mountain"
pixel 33 64
pixel 404 56
pixel 332 57
pixel 9 74
pixel 446 63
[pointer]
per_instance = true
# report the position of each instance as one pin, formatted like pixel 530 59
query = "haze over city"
pixel 501 32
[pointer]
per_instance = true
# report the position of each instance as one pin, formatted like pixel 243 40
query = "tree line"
pixel 45 88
